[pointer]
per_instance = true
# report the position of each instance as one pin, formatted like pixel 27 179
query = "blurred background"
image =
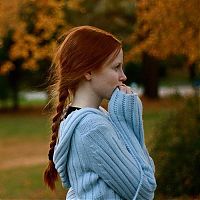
pixel 161 42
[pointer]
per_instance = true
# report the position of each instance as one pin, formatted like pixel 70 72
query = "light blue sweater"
pixel 102 155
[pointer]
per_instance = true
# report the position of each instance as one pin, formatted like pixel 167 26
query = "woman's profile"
pixel 97 153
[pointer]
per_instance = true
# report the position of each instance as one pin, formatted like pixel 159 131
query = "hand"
pixel 126 89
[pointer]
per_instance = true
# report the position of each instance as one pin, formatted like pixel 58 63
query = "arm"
pixel 109 158
pixel 71 194
pixel 126 113
pixel 127 108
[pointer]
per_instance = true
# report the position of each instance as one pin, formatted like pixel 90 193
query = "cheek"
pixel 112 80
pixel 105 84
pixel 110 84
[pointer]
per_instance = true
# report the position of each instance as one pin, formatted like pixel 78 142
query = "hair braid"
pixel 51 174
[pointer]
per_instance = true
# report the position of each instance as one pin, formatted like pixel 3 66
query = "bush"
pixel 177 151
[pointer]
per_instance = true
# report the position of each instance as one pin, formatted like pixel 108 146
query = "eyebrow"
pixel 120 63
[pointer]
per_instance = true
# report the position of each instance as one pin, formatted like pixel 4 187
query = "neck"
pixel 85 97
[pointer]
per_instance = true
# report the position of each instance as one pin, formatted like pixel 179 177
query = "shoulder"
pixel 93 121
pixel 96 132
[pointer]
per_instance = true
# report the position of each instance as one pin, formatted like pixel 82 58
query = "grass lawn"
pixel 22 126
pixel 26 183
pixel 24 146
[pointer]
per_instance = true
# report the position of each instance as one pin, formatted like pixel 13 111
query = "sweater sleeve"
pixel 126 113
pixel 108 157
pixel 127 108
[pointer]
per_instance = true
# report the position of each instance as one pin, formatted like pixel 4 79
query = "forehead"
pixel 119 57
pixel 114 60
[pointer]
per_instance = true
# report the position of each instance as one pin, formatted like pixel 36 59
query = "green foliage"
pixel 177 151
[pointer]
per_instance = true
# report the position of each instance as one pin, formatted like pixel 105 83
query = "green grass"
pixel 33 102
pixel 23 103
pixel 24 126
pixel 27 183
pixel 38 126
pixel 151 120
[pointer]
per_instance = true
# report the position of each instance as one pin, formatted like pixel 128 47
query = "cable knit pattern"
pixel 102 155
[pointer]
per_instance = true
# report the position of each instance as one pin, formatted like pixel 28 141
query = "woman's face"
pixel 108 77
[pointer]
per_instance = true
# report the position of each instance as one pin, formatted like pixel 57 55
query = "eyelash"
pixel 117 67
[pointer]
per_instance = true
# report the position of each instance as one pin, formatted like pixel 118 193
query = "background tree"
pixel 163 29
pixel 152 33
pixel 34 30
pixel 115 16
pixel 37 24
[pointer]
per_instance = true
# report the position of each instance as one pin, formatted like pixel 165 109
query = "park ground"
pixel 24 146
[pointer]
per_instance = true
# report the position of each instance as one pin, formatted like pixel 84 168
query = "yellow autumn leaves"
pixel 34 24
pixel 167 28
pixel 162 28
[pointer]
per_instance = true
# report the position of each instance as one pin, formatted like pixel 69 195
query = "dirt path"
pixel 17 153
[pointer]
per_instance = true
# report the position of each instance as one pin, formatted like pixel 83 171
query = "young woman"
pixel 98 154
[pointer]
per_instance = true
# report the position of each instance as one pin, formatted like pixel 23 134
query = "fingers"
pixel 126 89
pixel 122 88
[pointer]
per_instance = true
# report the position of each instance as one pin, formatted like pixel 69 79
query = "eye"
pixel 117 67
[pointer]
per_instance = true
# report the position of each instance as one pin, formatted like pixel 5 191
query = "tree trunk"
pixel 192 71
pixel 150 76
pixel 14 79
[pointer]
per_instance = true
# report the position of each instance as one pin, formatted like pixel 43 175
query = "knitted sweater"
pixel 102 155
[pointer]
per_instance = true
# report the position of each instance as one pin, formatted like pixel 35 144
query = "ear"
pixel 88 76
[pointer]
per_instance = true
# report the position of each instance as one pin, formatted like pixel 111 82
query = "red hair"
pixel 84 49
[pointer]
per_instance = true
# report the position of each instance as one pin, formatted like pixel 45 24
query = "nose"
pixel 122 76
